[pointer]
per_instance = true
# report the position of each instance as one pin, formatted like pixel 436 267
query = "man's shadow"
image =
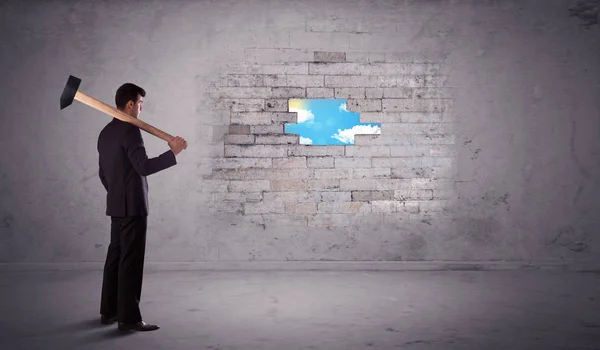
pixel 107 331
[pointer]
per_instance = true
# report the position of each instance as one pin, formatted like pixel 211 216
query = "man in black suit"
pixel 123 167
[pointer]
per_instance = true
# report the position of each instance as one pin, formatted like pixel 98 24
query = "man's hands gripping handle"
pixel 177 144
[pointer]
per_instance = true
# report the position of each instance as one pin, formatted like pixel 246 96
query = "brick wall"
pixel 260 173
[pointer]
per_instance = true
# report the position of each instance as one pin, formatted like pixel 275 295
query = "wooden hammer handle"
pixel 103 107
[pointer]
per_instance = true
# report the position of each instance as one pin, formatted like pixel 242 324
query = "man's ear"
pixel 129 104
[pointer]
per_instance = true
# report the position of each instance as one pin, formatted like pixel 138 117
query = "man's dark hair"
pixel 128 92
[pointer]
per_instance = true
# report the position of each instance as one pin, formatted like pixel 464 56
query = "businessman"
pixel 123 168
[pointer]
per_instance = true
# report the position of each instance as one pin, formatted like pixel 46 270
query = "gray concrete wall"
pixel 489 147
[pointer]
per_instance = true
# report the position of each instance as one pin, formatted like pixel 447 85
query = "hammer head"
pixel 68 94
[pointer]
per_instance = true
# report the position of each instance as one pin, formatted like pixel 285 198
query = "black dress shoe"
pixel 137 326
pixel 108 320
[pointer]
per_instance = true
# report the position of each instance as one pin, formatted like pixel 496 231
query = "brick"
pixel 409 173
pixel 371 173
pixel 367 196
pixel 240 92
pixel 248 186
pixel 322 184
pixel 260 173
pixel 357 56
pixel 273 80
pixel 284 220
pixel 289 196
pixel 399 57
pixel 367 151
pixel 433 139
pixel 436 206
pixel 333 173
pixel 405 117
pixel 241 68
pixel 305 150
pixel 288 68
pixel 301 208
pixel 289 162
pixel 267 129
pixel 258 151
pixel 343 207
pixel 276 105
pixel 403 195
pixel 239 129
pixel 397 162
pixel 336 196
pixel 432 92
pixel 319 92
pixel 225 207
pixel 288 185
pixel 441 173
pixel 262 118
pixel 409 105
pixel 373 93
pixel 350 93
pixel 430 184
pixel 237 139
pixel 374 184
pixel 235 80
pixel 409 151
pixel 444 193
pixel 288 92
pixel 388 206
pixel 421 194
pixel 437 161
pixel 376 57
pixel 264 208
pixel 408 207
pixel 352 162
pixel 320 162
pixel 443 151
pixel 232 163
pixel 416 128
pixel 323 56
pixel 247 105
pixel 240 197
pixel 337 68
pixel 358 81
pixel 434 81
pixel 398 92
pixel 305 80
pixel 290 139
pixel 364 105
pixel 410 81
pixel 238 105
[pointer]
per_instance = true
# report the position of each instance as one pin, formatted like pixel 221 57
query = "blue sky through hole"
pixel 327 122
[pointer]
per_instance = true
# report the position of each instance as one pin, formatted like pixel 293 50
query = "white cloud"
pixel 347 135
pixel 305 141
pixel 304 115
pixel 342 107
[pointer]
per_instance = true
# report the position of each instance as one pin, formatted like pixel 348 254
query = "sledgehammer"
pixel 71 92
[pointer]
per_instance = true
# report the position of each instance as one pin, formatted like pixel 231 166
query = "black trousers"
pixel 124 268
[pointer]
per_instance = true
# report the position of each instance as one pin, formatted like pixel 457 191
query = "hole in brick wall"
pixel 327 122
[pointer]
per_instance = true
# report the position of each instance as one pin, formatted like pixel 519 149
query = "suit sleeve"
pixel 102 177
pixel 136 152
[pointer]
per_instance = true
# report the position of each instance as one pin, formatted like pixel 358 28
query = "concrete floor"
pixel 286 310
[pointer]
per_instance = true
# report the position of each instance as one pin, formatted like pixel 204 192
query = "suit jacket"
pixel 123 167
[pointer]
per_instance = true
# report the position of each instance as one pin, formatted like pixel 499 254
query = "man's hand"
pixel 177 144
